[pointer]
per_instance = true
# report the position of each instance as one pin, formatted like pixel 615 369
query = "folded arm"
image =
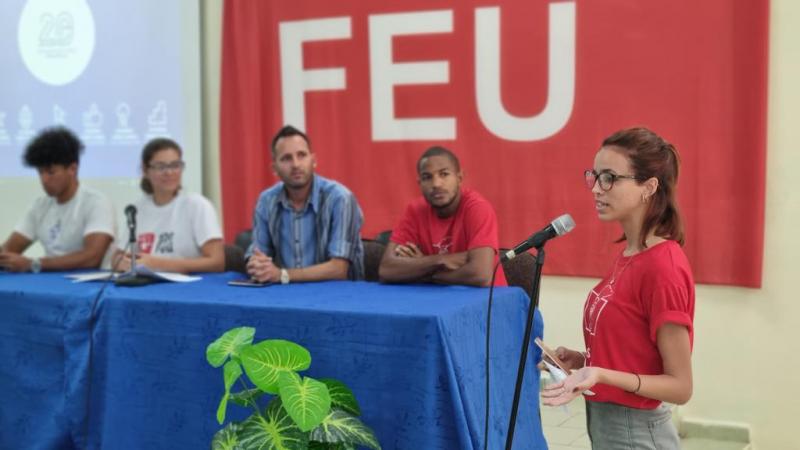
pixel 90 256
pixel 333 269
pixel 405 263
pixel 262 268
pixel 477 271
pixel 212 259
pixel 11 253
pixel 16 243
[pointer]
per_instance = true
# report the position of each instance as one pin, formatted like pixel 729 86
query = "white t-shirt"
pixel 61 227
pixel 178 229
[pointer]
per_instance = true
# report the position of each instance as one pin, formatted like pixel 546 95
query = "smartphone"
pixel 248 282
pixel 551 355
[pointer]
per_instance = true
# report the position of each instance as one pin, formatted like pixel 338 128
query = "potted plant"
pixel 303 413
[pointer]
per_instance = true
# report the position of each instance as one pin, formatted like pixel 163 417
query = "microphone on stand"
pixel 130 214
pixel 561 225
pixel 131 278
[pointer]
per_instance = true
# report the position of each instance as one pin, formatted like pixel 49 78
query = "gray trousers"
pixel 616 427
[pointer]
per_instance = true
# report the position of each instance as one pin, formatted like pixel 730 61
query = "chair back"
pixel 373 252
pixel 519 271
pixel 243 239
pixel 234 259
pixel 383 237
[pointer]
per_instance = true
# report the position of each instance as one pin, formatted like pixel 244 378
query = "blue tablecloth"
pixel 413 356
pixel 43 355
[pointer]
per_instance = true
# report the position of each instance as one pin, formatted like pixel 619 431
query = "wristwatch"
pixel 284 276
pixel 36 265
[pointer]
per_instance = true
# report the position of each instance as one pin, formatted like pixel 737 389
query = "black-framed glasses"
pixel 173 166
pixel 606 180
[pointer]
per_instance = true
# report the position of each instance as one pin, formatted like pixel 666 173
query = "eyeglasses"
pixel 605 179
pixel 173 166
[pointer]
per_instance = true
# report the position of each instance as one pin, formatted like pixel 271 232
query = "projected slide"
pixel 114 72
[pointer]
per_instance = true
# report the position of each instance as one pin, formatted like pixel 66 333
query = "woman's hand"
pixel 573 360
pixel 564 392
pixel 121 261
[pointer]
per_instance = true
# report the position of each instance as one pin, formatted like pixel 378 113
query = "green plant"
pixel 303 413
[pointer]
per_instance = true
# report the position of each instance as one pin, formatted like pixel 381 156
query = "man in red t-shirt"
pixel 449 235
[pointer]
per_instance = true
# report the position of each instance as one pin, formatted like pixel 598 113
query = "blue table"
pixel 413 356
pixel 43 355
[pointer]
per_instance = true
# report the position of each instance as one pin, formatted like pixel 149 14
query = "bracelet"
pixel 638 384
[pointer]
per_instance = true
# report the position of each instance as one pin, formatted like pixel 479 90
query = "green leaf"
pixel 342 427
pixel 229 344
pixel 265 361
pixel 246 397
pixel 342 396
pixel 222 408
pixel 306 400
pixel 275 430
pixel 227 438
pixel 231 372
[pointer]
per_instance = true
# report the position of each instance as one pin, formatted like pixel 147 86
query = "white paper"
pixel 169 276
pixel 90 276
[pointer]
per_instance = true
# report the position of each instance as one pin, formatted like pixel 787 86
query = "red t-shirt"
pixel 624 311
pixel 473 225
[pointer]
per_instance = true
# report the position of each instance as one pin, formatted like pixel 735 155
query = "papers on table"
pixel 140 270
pixel 91 276
pixel 167 276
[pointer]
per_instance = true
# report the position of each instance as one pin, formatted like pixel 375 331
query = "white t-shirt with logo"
pixel 178 229
pixel 61 227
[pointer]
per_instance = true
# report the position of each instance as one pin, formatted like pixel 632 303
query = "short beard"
pixel 446 205
pixel 290 185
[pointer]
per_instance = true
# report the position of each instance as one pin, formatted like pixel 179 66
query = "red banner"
pixel 523 91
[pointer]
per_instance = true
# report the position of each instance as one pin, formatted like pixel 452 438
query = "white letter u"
pixel 561 74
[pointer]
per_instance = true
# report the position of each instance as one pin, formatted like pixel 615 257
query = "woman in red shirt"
pixel 637 321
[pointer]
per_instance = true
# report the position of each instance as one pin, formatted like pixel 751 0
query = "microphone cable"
pixel 91 342
pixel 486 361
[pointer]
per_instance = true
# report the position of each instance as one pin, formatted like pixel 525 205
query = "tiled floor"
pixel 565 427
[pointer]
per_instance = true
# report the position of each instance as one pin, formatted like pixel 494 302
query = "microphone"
pixel 561 225
pixel 131 278
pixel 130 214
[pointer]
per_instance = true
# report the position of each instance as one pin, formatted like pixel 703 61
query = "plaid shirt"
pixel 328 226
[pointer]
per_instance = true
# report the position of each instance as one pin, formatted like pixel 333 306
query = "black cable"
pixel 486 362
pixel 88 408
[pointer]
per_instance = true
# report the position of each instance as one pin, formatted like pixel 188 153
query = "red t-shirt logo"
pixel 443 246
pixel 145 242
pixel 595 304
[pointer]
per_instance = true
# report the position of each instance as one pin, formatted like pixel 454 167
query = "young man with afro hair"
pixel 74 224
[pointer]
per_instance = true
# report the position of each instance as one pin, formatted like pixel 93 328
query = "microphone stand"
pixel 537 278
pixel 131 277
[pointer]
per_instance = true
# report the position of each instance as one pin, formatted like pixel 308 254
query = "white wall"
pixel 211 30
